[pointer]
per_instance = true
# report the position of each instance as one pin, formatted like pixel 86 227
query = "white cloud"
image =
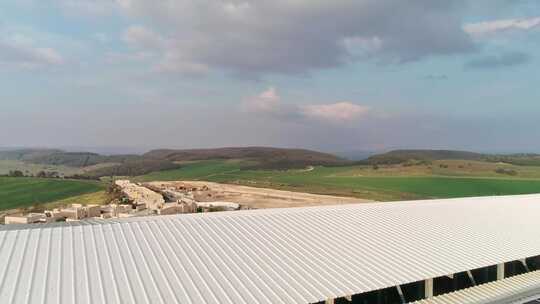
pixel 21 52
pixel 336 112
pixel 142 37
pixel 48 55
pixel 503 25
pixel 270 103
pixel 266 101
pixel 363 46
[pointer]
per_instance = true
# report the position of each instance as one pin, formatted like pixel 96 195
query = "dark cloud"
pixel 499 61
pixel 296 37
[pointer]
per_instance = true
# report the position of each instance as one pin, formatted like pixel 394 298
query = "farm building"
pixel 362 253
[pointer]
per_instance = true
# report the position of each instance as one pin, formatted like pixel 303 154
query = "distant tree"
pixel 16 173
pixel 53 174
pixel 38 208
pixel 41 174
pixel 506 171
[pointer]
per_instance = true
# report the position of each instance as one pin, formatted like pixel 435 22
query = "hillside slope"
pixel 265 157
pixel 401 156
pixel 81 159
pixel 26 154
pixel 86 164
pixel 95 165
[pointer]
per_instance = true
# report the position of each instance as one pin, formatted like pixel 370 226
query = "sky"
pixel 332 75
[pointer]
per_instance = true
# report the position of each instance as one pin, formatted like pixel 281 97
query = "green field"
pixel 25 192
pixel 441 179
pixel 363 182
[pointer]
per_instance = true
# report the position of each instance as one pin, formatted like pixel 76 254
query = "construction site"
pixel 165 198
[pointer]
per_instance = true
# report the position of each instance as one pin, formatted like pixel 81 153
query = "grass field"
pixel 384 184
pixel 100 198
pixel 439 179
pixel 25 192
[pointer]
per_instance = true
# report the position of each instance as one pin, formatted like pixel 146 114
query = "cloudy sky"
pixel 332 75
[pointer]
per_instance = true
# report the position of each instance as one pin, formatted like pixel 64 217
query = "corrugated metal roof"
pixel 297 255
pixel 517 289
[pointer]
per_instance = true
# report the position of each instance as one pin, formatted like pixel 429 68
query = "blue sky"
pixel 329 75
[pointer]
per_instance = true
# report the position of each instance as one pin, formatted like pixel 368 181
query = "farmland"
pixel 452 179
pixel 398 175
pixel 25 192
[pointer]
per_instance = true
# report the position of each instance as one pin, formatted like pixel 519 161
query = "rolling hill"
pixel 90 165
pixel 26 154
pixel 401 156
pixel 263 157
pixel 94 165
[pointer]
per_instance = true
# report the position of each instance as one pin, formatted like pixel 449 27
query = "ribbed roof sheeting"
pixel 516 289
pixel 298 255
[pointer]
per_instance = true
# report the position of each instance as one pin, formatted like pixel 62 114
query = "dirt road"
pixel 258 197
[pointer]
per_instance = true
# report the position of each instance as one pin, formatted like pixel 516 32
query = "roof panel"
pixel 517 289
pixel 295 255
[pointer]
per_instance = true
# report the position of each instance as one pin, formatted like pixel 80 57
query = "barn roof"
pixel 296 255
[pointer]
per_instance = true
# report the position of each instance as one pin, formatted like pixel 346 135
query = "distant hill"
pixel 401 156
pixel 267 158
pixel 93 165
pixel 61 158
pixel 522 159
pixel 137 167
pixel 26 154
pixel 81 159
pixel 109 165
pixel 97 165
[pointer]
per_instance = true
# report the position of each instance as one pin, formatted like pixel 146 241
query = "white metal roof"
pixel 517 289
pixel 297 255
